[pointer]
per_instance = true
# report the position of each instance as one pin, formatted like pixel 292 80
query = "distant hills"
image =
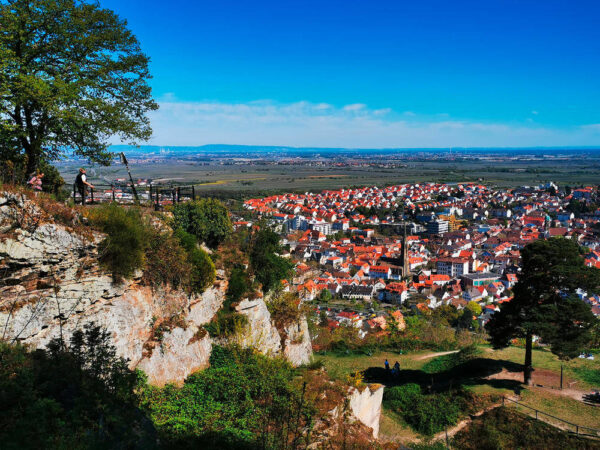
pixel 306 151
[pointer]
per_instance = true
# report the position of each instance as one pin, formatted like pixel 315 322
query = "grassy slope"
pixel 393 428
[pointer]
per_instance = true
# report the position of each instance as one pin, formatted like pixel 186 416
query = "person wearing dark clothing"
pixel 397 369
pixel 82 184
pixel 387 366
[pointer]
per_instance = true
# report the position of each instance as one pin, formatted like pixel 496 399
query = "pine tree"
pixel 545 302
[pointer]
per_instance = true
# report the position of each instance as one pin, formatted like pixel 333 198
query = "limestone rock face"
pixel 366 406
pixel 297 347
pixel 50 283
pixel 261 332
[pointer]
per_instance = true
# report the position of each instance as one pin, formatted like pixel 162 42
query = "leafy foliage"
pixel 447 362
pixel 79 396
pixel 244 400
pixel 268 267
pixel 123 250
pixel 202 271
pixel 239 284
pixel 285 309
pixel 71 75
pixel 207 219
pixel 166 261
pixel 428 414
pixel 545 301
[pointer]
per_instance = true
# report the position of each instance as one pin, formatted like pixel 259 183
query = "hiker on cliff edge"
pixel 82 184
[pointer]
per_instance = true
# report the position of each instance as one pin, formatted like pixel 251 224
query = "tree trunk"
pixel 32 161
pixel 528 364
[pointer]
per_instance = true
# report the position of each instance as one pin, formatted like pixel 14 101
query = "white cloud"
pixel 265 122
pixel 355 107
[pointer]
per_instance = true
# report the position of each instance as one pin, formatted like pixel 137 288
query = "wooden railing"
pixel 579 430
pixel 149 195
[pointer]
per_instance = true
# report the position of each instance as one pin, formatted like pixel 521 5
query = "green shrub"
pixel 285 309
pixel 244 400
pixel 203 270
pixel 447 362
pixel 76 395
pixel 166 262
pixel 427 414
pixel 402 397
pixel 207 219
pixel 226 323
pixel 239 284
pixel 268 267
pixel 127 238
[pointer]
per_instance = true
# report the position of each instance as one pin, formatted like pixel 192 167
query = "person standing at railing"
pixel 82 184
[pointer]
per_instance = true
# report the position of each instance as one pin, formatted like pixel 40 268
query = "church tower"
pixel 405 261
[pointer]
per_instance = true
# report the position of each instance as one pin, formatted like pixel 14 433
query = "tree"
pixel 207 219
pixel 72 75
pixel 545 301
pixel 474 307
pixel 268 267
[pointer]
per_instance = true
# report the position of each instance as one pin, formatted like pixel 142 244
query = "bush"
pixel 244 400
pixel 207 219
pixel 239 284
pixel 128 237
pixel 447 362
pixel 202 269
pixel 285 309
pixel 226 323
pixel 269 268
pixel 76 395
pixel 167 262
pixel 428 414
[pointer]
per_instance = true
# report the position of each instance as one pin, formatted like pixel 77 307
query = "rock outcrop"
pixel 366 406
pixel 51 284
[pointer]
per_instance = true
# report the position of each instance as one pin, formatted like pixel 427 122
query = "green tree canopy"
pixel 474 308
pixel 545 301
pixel 207 219
pixel 268 267
pixel 72 75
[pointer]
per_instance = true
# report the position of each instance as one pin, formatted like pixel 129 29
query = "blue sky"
pixel 372 73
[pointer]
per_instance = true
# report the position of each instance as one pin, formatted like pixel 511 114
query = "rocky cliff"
pixel 50 284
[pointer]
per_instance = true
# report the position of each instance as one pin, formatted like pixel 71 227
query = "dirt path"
pixel 545 380
pixel 433 355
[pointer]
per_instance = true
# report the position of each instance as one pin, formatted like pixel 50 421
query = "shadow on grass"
pixel 472 372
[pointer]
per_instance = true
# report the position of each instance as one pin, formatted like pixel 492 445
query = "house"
pixel 350 318
pixel 353 292
pixel 453 267
pixel 479 279
pixel 509 280
pixel 473 295
pixel 394 293
pixel 376 272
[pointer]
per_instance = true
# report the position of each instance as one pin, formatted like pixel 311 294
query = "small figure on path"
pixel 387 366
pixel 82 184
pixel 397 369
